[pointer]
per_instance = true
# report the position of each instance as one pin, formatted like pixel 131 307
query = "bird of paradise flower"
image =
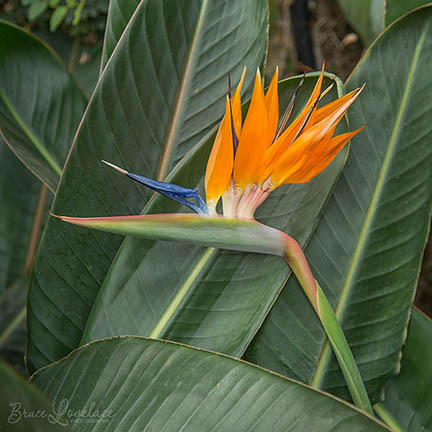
pixel 248 161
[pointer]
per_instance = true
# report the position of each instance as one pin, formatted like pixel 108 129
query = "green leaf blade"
pixel 147 111
pixel 408 396
pixel 156 385
pixel 24 407
pixel 22 214
pixel 366 250
pixel 119 14
pixel 37 121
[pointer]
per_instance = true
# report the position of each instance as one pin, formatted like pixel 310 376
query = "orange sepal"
pixel 272 102
pixel 328 109
pixel 334 147
pixel 315 158
pixel 254 138
pixel 275 151
pixel 220 163
pixel 236 106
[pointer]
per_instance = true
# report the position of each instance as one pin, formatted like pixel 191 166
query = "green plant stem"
pixel 74 55
pixel 343 352
pixel 387 418
pixel 300 267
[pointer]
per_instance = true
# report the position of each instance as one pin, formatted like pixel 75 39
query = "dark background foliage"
pixel 304 33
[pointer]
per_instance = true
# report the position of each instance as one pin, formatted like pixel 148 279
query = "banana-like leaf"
pixel 21 217
pixel 366 250
pixel 24 408
pixel 143 384
pixel 161 92
pixel 40 104
pixel 408 396
pixel 365 16
pixel 215 299
pixel 19 191
pixel 119 14
pixel 394 9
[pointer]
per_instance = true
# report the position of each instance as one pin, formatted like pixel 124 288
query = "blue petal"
pixel 175 192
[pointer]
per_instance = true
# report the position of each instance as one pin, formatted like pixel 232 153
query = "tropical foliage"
pixel 195 322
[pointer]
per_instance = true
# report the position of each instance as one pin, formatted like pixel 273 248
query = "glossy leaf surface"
pixel 366 250
pixel 408 396
pixel 228 293
pixel 160 93
pixel 153 385
pixel 24 408
pixel 40 104
pixel 119 14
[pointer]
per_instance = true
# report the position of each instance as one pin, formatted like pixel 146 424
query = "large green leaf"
pixel 366 250
pixel 394 9
pixel 366 16
pixel 20 222
pixel 145 385
pixel 408 396
pixel 160 93
pixel 119 14
pixel 24 408
pixel 40 104
pixel 19 190
pixel 220 297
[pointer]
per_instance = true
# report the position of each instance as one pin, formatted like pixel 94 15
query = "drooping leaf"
pixel 146 384
pixel 408 396
pixel 215 299
pixel 82 59
pixel 19 190
pixel 366 17
pixel 119 14
pixel 366 250
pixel 40 104
pixel 394 9
pixel 21 217
pixel 161 92
pixel 24 408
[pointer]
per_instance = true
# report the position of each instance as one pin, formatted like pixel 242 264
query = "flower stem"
pixel 300 267
pixel 343 352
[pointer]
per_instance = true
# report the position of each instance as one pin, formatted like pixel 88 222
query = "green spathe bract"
pixel 217 232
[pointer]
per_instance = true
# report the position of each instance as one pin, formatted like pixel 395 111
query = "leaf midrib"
pixel 181 294
pixel 324 357
pixel 180 101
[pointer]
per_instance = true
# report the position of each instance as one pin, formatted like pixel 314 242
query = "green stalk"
pixel 343 352
pixel 300 267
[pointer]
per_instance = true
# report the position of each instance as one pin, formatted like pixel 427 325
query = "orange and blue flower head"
pixel 252 158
